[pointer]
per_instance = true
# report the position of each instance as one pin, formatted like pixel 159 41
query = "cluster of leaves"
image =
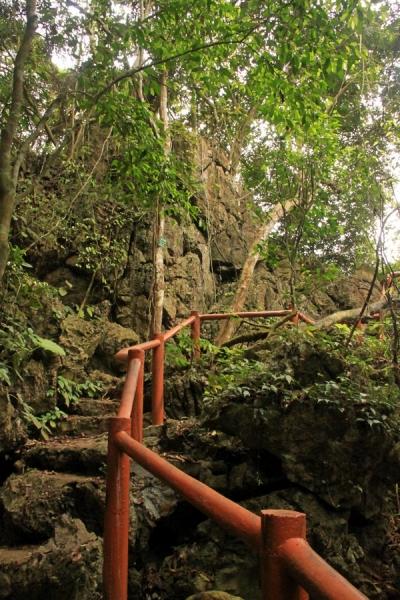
pixel 178 351
pixel 20 294
pixel 288 65
pixel 42 423
pixel 367 382
pixel 70 391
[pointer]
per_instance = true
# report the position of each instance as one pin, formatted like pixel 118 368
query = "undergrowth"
pixel 366 381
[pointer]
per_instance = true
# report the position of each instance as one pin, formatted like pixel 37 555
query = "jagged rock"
pixel 91 345
pixel 32 502
pixel 80 339
pixel 351 291
pixel 321 445
pixel 12 431
pixel 303 359
pixel 39 379
pixel 114 337
pixel 67 567
pixel 182 396
pixel 213 561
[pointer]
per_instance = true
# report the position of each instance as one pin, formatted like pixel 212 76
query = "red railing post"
pixel 137 411
pixel 294 319
pixel 116 522
pixel 195 333
pixel 277 526
pixel 157 375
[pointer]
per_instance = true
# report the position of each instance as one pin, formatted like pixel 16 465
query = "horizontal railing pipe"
pixel 305 319
pixel 128 393
pixel 122 355
pixel 245 315
pixel 231 516
pixel 319 579
pixel 170 334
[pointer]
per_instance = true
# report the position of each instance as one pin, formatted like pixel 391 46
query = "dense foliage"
pixel 302 97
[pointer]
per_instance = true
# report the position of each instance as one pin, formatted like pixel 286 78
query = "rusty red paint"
pixel 306 319
pixel 116 522
pixel 234 518
pixel 195 333
pixel 278 526
pixel 137 411
pixel 157 391
pixel 172 332
pixel 314 574
pixel 289 565
pixel 128 393
pixel 123 355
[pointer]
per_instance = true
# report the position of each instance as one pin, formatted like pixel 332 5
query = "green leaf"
pixel 49 345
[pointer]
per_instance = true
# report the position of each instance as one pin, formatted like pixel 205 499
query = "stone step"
pixel 83 454
pixel 78 426
pixel 90 407
pixel 87 454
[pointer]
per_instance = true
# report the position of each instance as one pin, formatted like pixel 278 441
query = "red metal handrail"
pixel 290 568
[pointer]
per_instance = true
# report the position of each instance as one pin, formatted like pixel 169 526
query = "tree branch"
pixel 35 134
pixel 36 111
pixel 7 135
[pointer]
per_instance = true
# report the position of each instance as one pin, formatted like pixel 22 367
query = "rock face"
pixel 52 512
pixel 322 448
pixel 326 443
pixel 199 255
pixel 67 567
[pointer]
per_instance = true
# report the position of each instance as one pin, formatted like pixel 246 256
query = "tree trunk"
pixel 7 187
pixel 159 226
pixel 227 327
pixel 241 134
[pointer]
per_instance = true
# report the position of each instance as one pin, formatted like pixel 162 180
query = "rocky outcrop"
pixel 68 566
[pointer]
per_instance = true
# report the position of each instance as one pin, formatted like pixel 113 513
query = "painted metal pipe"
pixel 277 526
pixel 313 573
pixel 128 393
pixel 172 332
pixel 116 522
pixel 295 318
pixel 234 518
pixel 137 410
pixel 123 355
pixel 305 319
pixel 157 381
pixel 248 315
pixel 195 333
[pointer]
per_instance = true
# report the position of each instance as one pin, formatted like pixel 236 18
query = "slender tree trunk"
pixel 227 327
pixel 241 134
pixel 7 187
pixel 159 226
